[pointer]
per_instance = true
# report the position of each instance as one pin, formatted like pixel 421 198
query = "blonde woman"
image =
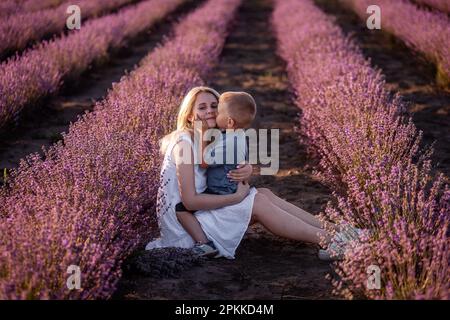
pixel 222 220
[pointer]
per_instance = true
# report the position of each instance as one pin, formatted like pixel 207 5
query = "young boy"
pixel 236 110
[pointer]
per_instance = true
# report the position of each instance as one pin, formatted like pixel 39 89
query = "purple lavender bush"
pixel 441 5
pixel 91 201
pixel 41 71
pixel 370 154
pixel 424 31
pixel 10 7
pixel 20 29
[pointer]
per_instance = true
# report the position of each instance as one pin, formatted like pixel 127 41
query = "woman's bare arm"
pixel 186 183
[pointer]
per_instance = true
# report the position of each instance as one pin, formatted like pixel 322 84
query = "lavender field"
pixel 364 120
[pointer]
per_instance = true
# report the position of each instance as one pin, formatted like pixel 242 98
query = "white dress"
pixel 224 226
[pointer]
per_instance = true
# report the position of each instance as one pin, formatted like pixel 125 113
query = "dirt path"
pixel 42 125
pixel 266 267
pixel 407 73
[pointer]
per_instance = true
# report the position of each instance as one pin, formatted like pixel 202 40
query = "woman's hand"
pixel 242 191
pixel 242 173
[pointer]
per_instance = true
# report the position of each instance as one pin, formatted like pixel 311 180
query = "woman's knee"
pixel 261 197
pixel 261 203
pixel 265 191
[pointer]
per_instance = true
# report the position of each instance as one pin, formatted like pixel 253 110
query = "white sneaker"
pixel 349 233
pixel 335 251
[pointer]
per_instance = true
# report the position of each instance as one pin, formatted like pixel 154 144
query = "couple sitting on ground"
pixel 207 204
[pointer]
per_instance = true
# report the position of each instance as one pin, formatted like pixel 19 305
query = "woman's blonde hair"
pixel 186 107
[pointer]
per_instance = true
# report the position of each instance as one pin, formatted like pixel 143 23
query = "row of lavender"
pixel 424 31
pixel 41 71
pixel 20 29
pixel 92 200
pixel 370 156
pixel 10 7
pixel 441 5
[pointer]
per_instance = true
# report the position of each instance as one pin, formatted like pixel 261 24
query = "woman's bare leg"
pixel 283 224
pixel 192 226
pixel 292 209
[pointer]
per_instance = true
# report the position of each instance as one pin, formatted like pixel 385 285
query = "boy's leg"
pixel 192 226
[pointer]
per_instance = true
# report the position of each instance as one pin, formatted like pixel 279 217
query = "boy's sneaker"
pixel 207 249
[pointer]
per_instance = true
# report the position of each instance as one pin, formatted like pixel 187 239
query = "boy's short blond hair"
pixel 241 107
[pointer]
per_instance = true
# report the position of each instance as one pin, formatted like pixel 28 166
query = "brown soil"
pixel 407 73
pixel 266 266
pixel 41 125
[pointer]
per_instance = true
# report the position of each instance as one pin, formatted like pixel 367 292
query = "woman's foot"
pixel 336 248
pixel 350 233
pixel 335 251
pixel 207 249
